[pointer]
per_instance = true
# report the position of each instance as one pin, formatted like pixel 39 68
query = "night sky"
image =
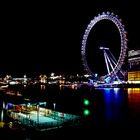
pixel 46 37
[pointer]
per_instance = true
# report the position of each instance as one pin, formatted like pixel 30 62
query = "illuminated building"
pixel 134 66
pixel 134 59
pixel 43 78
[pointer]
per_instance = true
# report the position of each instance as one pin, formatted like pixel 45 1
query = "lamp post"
pixel 38 113
pixel 54 104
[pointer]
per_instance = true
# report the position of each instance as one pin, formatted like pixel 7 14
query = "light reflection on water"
pixel 109 105
pixel 114 99
pixel 134 100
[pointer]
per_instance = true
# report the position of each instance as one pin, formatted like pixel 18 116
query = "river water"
pixel 109 108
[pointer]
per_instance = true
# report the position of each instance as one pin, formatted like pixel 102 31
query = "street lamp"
pixel 37 113
pixel 54 104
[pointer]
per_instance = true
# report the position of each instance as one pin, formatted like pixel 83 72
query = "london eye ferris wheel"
pixel 107 53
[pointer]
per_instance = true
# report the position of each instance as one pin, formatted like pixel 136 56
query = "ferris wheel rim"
pixel 123 38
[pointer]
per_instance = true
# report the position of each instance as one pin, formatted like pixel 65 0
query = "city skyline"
pixel 44 40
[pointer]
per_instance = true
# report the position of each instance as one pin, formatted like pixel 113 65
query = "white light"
pixel 12 82
pixel 103 48
pixel 52 74
pixel 54 104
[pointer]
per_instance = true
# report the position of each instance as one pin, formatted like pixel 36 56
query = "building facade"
pixel 134 66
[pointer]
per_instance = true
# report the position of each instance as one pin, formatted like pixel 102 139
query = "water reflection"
pixel 3 106
pixel 112 95
pixel 114 99
pixel 134 100
pixel 133 90
pixel 108 105
pixel 42 87
pixel 1 116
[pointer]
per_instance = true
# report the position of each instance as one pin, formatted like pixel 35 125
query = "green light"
pixel 86 102
pixel 86 112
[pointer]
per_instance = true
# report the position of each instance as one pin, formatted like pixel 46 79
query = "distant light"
pixel 52 74
pixel 12 82
pixel 87 75
pixel 28 104
pixel 25 76
pixel 96 74
pixel 42 103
